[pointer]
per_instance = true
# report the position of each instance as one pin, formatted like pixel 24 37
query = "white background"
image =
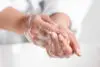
pixel 30 56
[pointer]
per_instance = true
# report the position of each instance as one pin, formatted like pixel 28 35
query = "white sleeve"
pixel 4 4
pixel 75 9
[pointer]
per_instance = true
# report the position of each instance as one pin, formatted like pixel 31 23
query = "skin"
pixel 61 43
pixel 68 49
pixel 13 20
pixel 61 17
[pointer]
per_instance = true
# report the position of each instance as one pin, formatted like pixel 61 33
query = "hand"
pixel 63 45
pixel 57 41
pixel 39 30
pixel 69 41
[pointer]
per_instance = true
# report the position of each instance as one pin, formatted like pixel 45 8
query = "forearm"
pixel 12 20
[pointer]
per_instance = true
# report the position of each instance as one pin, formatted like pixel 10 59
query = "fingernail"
pixel 78 53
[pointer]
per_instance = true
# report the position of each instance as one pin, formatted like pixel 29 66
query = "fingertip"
pixel 78 53
pixel 68 52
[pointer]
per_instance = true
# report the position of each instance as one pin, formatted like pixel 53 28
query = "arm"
pixel 12 20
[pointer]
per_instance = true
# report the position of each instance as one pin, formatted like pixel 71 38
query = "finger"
pixel 46 18
pixel 51 47
pixel 38 22
pixel 48 48
pixel 66 46
pixel 57 47
pixel 56 43
pixel 74 44
pixel 63 32
pixel 61 45
pixel 47 26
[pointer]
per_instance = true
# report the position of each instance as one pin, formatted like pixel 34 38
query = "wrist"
pixel 62 19
pixel 22 26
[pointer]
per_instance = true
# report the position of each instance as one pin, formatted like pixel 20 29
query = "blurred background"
pixel 16 52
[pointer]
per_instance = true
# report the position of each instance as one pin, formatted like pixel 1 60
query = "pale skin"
pixel 56 26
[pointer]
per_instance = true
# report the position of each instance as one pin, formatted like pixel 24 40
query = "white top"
pixel 76 9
